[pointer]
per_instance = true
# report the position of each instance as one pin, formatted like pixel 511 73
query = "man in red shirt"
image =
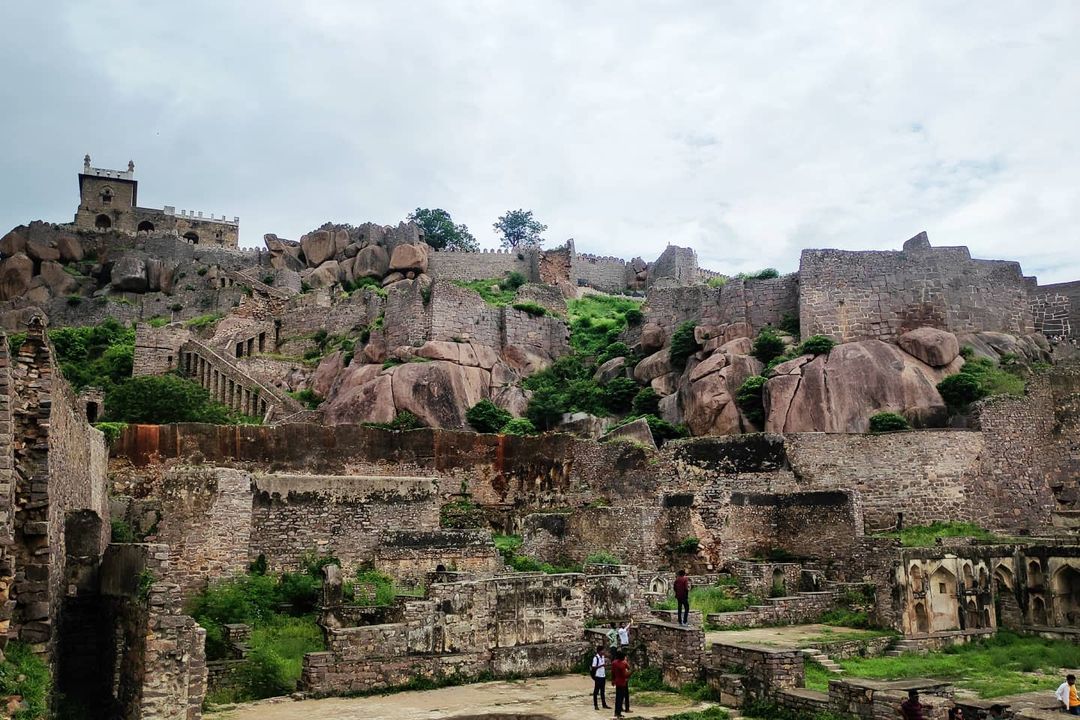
pixel 682 597
pixel 912 709
pixel 620 676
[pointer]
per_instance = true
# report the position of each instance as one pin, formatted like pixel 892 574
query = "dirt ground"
pixel 788 636
pixel 566 697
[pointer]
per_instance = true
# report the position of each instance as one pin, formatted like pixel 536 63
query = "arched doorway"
pixel 972 617
pixel 922 622
pixel 146 226
pixel 1067 595
pixel 917 586
pixel 1005 603
pixel 1038 611
pixel 1034 574
pixel 193 237
pixel 779 585
pixel 944 608
pixel 102 222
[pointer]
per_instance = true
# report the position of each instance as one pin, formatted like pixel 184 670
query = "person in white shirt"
pixel 1066 695
pixel 598 671
pixel 624 636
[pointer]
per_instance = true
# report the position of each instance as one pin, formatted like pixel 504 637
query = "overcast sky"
pixel 746 130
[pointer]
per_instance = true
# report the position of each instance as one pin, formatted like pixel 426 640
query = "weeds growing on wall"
pixel 597 320
pixel 495 291
pixel 927 535
pixel 99 355
pixel 202 321
pixel 308 397
pixel 508 546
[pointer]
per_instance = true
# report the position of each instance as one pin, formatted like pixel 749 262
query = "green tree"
pixel 162 399
pixel 440 231
pixel 519 229
pixel 487 417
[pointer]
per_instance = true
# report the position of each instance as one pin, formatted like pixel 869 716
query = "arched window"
pixel 915 574
pixel 779 585
pixel 102 222
pixel 192 236
pixel 1035 574
pixel 146 226
pixel 106 196
pixel 922 621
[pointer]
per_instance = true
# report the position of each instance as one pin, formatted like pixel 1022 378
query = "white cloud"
pixel 748 131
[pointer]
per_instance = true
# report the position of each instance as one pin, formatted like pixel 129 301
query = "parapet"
pixel 193 215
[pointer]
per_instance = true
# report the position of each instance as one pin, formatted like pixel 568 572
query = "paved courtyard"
pixel 566 697
pixel 787 636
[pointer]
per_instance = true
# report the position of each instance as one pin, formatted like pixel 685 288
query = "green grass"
pixel 289 638
pixel 817 677
pixel 25 674
pixel 597 320
pixel 652 698
pixel 926 535
pixel 1005 664
pixel 710 600
pixel 494 291
pixel 201 321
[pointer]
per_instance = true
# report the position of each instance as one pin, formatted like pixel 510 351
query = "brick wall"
pixel 7 491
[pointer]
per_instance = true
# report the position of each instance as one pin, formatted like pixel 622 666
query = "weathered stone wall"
pixel 1056 309
pixel 881 294
pixel 678 651
pixel 157 350
pixel 632 533
pixel 547 336
pixel 521 624
pixel 7 491
pixel 460 313
pixel 409 555
pixel 448 265
pixel 206 522
pixel 676 265
pixel 347 517
pixel 408 317
pixel 608 274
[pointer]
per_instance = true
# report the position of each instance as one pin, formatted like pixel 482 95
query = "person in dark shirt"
pixel 620 677
pixel 912 709
pixel 682 597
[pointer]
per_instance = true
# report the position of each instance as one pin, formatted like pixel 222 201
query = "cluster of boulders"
pixel 42 261
pixel 437 382
pixel 834 391
pixel 346 254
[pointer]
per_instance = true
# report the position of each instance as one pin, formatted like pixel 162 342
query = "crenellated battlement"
pixel 193 215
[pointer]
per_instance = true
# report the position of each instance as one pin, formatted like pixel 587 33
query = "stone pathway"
pixel 566 697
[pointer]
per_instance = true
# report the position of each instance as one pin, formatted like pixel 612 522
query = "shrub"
pixel 519 426
pixel 157 321
pixel 634 316
pixel 816 345
pixel 597 320
pixel 462 515
pixel 683 344
pixel 749 399
pixel 768 345
pixel 602 557
pixel 619 394
pixel 687 545
pixel 513 281
pixel 202 321
pixel 308 397
pixel 960 390
pixel 789 323
pixel 267 279
pixel 487 417
pixel 111 430
pixel 74 300
pixel 646 402
pixel 612 351
pixel 404 420
pixel 717 282
pixel 122 532
pixel 93 356
pixel 531 308
pixel 662 430
pixel 163 399
pixel 888 422
pixel 766 274
pixel 546 408
pixel 382 584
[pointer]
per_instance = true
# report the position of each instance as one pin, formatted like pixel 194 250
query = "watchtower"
pixel 107 198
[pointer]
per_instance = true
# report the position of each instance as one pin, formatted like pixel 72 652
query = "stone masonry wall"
pixel 1057 309
pixel 346 517
pixel 206 521
pixel 410 555
pixel 881 294
pixel 458 312
pixel 7 492
pixel 446 265
pixel 632 534
pixel 678 651
pixel 608 274
pixel 157 350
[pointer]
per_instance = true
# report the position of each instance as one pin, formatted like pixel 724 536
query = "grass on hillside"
pixel 1005 664
pixel 597 320
pixel 926 535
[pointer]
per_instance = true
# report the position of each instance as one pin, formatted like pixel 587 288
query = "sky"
pixel 746 130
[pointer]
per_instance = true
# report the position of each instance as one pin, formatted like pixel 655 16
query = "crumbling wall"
pixel 608 274
pixel 206 521
pixel 157 350
pixel 409 555
pixel 7 492
pixel 346 517
pixel 854 295
pixel 458 313
pixel 676 265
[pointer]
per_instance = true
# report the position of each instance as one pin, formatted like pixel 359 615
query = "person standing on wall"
pixel 598 671
pixel 620 678
pixel 682 597
pixel 624 636
pixel 1066 695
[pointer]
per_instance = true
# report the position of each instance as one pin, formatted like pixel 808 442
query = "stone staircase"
pixel 904 647
pixel 822 659
pixel 230 385
pixel 248 277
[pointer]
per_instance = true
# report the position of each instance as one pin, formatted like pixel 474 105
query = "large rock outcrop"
pixel 708 396
pixel 840 390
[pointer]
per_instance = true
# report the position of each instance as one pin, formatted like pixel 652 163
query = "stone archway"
pixel 922 621
pixel 1066 588
pixel 1034 575
pixel 192 237
pixel 1038 611
pixel 103 222
pixel 944 607
pixel 146 226
pixel 916 579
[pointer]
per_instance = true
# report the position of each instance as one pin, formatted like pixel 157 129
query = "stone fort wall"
pixel 850 295
pixel 756 302
pixel 609 274
pixel 446 265
pixel 1056 309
